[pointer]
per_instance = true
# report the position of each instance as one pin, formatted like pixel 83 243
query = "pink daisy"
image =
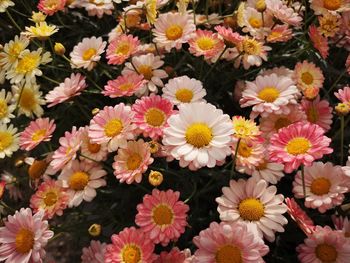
pixel 206 43
pixel 298 144
pixel 51 198
pixel 319 42
pixel 130 245
pixel 283 13
pixel 161 216
pixel 112 125
pixel 24 237
pixel 98 7
pixel 124 85
pixel 343 224
pixel 132 161
pixel 324 245
pixel 343 95
pixel 332 6
pixel 94 253
pixel 50 7
pixel 229 242
pixel 174 256
pixel 318 112
pixel 71 87
pixel 249 154
pixel 151 115
pixel 69 146
pixel 232 38
pixel 36 132
pixel 280 33
pixel 121 48
pixel 307 75
pixel 94 151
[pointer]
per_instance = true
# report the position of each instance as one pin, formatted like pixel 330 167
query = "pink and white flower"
pixel 94 253
pixel 124 85
pixel 121 48
pixel 49 7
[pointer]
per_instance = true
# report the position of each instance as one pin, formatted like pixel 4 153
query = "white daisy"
pixel 12 50
pixel 269 171
pixel 9 141
pixel 4 4
pixel 6 108
pixel 98 7
pixel 256 24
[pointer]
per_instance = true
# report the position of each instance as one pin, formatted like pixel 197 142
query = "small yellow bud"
pixel 311 93
pixel 95 230
pixel 153 146
pixel 155 178
pixel 95 111
pixel 38 17
pixel 342 109
pixel 37 169
pixel 59 49
pixel 19 163
pixel 260 5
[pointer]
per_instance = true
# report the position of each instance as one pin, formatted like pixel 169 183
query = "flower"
pixel 298 143
pixel 87 53
pixel 171 30
pixel 324 245
pixel 71 87
pixel 93 151
pixel 255 204
pixel 229 242
pixel 161 216
pixel 9 141
pixel 51 198
pixel 197 139
pixel 319 42
pixel 269 94
pixel 324 186
pixel 49 7
pixel 151 115
pixel 232 38
pixel 98 7
pixel 81 179
pixel 113 126
pixel 343 95
pixel 343 224
pixel 24 237
pixel 323 6
pixel 132 161
pixel 318 112
pixel 174 256
pixel 254 24
pixel 41 31
pixel 283 13
pixel 151 10
pixel 36 132
pixel 184 90
pixel 329 24
pixel 38 17
pixel 307 75
pixel 6 107
pixel 5 4
pixel 245 129
pixel 121 48
pixel 249 154
pixel 269 171
pixel 124 85
pixel 94 253
pixel 280 33
pixel 11 186
pixel 12 50
pixel 130 245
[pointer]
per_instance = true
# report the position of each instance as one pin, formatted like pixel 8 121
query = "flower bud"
pixel 37 169
pixel 95 230
pixel 153 146
pixel 155 178
pixel 260 5
pixel 59 49
pixel 342 109
pixel 95 111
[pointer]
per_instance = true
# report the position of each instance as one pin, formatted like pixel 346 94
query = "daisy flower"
pixel 184 90
pixel 81 179
pixel 113 126
pixel 69 146
pixel 343 95
pixel 343 224
pixel 11 185
pixel 71 87
pixel 121 48
pixel 269 171
pixel 269 94
pixel 197 139
pixel 151 10
pixel 329 24
pixel 324 186
pixel 324 6
pixel 249 154
pixel 255 204
pixel 51 198
pixel 5 4
pixel 9 142
pixel 41 31
pixel 49 7
pixel 124 85
pixel 38 17
pixel 29 100
pixel 319 42
pixel 36 132
pixel 132 161
pixel 283 13
pixel 171 30
pixel 255 24
pixel 98 7
pixel 12 50
pixel 324 245
pixel 87 53
pixel 151 115
pixel 318 112
pixel 298 144
pixel 94 151
pixel 175 255
pixel 6 107
pixel 147 65
pixel 280 33
pixel 161 216
pixel 205 43
pixel 24 237
pixel 307 75
pixel 229 242
pixel 94 253
pixel 244 128
pixel 231 38
pixel 130 245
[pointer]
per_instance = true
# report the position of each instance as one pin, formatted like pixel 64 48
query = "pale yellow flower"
pixel 41 31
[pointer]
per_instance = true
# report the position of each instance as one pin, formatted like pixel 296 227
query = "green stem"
pixel 192 194
pixel 13 21
pixel 342 125
pixel 234 159
pixel 6 206
pixel 215 64
pixel 336 82
pixel 49 79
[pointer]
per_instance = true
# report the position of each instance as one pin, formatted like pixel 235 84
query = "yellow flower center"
pixel 37 169
pixel 184 95
pixel 50 198
pixel 3 108
pixel 274 35
pixel 199 134
pixel 173 32
pixel 331 4
pixel 89 53
pixel 162 215
pixel 298 145
pixel 146 71
pixel 307 78
pixel 281 123
pixel 93 147
pixel 228 254
pixel 244 150
pixel 122 49
pixel 131 254
pixel 125 86
pixel 15 49
pixel 28 63
pixel 113 127
pixel 133 162
pixel 268 94
pixel 24 240
pixel 326 253
pixel 251 209
pixel 28 100
pixel 320 186
pixel 38 135
pixel 155 117
pixel 255 23
pixel 6 140
pixel 251 46
pixel 78 180
pixel 205 43
pixel 312 114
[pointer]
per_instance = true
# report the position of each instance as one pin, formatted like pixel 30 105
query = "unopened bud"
pixel 311 92
pixel 260 5
pixel 153 146
pixel 95 230
pixel 37 169
pixel 342 109
pixel 59 49
pixel 155 178
pixel 95 111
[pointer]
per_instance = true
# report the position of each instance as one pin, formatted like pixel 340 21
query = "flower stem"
pixel 234 159
pixel 13 21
